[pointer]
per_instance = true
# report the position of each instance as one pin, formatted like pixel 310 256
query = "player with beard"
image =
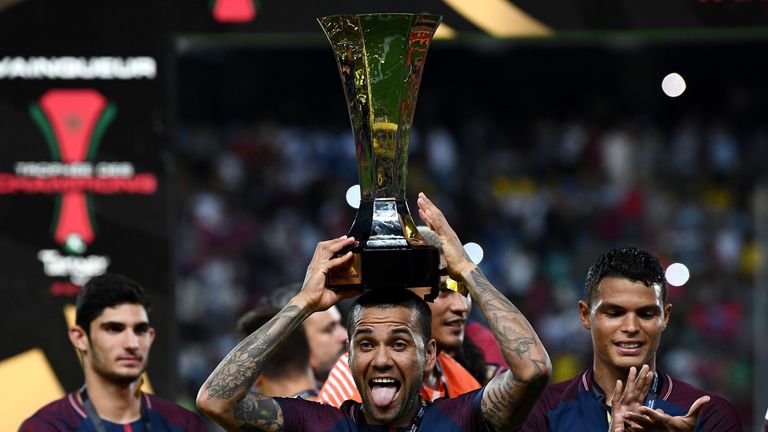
pixel 113 336
pixel 390 347
pixel 450 376
pixel 446 378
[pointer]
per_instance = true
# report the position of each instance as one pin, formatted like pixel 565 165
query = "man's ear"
pixel 584 312
pixel 667 314
pixel 152 335
pixel 430 355
pixel 79 338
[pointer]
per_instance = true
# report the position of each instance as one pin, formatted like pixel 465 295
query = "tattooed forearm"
pixel 226 395
pixel 261 413
pixel 240 368
pixel 514 334
pixel 508 398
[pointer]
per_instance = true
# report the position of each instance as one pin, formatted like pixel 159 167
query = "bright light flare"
pixel 673 85
pixel 677 274
pixel 353 196
pixel 475 252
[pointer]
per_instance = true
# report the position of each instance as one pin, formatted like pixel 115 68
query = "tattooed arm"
pixel 225 396
pixel 509 397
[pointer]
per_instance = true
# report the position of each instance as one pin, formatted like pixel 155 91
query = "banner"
pixel 83 183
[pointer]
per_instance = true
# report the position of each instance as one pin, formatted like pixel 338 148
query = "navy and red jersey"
pixel 578 404
pixel 69 414
pixel 462 413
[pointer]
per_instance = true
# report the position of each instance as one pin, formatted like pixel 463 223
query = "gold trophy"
pixel 381 58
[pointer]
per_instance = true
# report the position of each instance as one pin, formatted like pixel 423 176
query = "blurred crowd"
pixel 543 199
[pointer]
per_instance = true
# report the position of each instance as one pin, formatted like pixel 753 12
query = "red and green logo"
pixel 73 122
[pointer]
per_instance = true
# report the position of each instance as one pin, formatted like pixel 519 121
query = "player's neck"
pixel 402 422
pixel 114 402
pixel 606 376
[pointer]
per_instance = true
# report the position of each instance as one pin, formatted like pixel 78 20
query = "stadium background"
pixel 541 130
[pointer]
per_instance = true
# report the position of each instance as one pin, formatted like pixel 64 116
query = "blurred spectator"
pixel 287 374
pixel 324 331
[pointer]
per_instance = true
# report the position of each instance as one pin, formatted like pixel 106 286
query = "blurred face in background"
pixel 327 340
pixel 450 311
pixel 449 318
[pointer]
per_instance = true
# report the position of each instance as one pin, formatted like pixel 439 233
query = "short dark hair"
pixel 291 356
pixel 627 263
pixel 389 298
pixel 107 290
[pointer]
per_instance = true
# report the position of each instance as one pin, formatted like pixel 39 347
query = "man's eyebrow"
pixel 400 330
pixel 120 323
pixel 653 306
pixel 363 331
pixel 112 323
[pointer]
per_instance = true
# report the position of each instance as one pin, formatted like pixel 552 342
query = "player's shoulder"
pixel 678 390
pixel 718 410
pixel 158 404
pixel 300 414
pixel 564 391
pixel 172 412
pixel 60 414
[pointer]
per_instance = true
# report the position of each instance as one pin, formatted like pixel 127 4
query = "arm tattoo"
pixel 508 398
pixel 261 414
pixel 233 378
pixel 240 368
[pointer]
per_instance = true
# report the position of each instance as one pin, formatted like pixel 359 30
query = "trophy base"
pixel 391 268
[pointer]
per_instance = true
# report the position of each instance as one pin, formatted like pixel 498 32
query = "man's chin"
pixel 124 378
pixel 453 344
pixel 628 362
pixel 387 416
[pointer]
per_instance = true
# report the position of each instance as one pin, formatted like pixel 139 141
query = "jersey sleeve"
pixel 537 420
pixel 195 424
pixel 34 424
pixel 303 415
pixel 719 416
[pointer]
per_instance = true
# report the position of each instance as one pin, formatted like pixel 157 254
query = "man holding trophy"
pixel 380 60
pixel 390 346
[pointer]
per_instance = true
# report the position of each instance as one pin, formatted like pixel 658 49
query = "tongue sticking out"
pixel 383 395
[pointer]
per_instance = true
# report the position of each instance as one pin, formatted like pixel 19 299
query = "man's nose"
pixel 630 323
pixel 381 358
pixel 458 303
pixel 131 340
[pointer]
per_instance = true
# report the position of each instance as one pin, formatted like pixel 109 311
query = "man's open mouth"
pixel 384 390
